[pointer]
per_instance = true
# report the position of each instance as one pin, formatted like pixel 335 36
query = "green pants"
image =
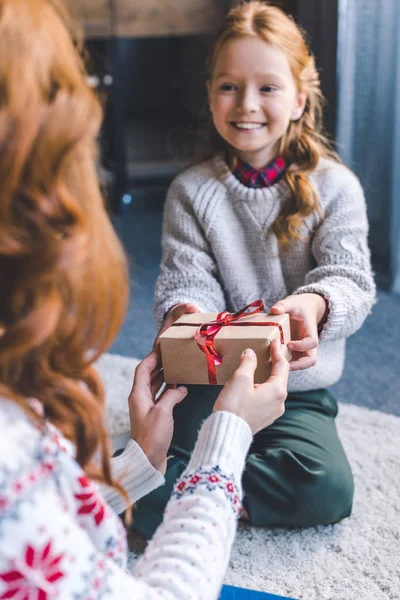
pixel 296 471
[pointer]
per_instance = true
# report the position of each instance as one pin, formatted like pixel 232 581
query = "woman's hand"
pixel 306 311
pixel 152 423
pixel 261 404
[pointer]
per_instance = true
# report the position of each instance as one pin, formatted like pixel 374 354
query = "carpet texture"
pixel 357 559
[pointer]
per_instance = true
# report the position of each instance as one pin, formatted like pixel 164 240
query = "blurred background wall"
pixel 368 120
pixel 147 59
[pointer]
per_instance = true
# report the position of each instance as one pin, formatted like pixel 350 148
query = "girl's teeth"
pixel 248 125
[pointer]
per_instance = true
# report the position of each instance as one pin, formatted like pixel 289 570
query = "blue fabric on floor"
pixel 234 593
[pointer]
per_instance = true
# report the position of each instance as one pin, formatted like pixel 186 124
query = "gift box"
pixel 205 348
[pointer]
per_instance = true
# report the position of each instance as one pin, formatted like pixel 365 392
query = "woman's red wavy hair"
pixel 63 274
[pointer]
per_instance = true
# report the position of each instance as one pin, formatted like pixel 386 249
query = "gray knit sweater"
pixel 219 252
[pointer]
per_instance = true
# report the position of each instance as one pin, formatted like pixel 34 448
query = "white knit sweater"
pixel 220 253
pixel 60 539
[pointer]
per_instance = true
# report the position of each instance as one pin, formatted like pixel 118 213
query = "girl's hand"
pixel 152 423
pixel 173 315
pixel 306 312
pixel 261 404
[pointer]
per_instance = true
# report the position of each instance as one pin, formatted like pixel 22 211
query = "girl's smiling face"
pixel 253 97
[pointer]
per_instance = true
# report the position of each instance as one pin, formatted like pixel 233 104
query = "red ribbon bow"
pixel 206 333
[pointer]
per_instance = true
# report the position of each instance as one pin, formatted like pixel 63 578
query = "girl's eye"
pixel 268 88
pixel 227 87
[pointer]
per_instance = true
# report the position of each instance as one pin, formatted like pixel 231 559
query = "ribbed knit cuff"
pixel 135 473
pixel 337 315
pixel 224 440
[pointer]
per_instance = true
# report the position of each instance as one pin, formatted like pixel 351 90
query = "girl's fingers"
pixel 304 362
pixel 290 305
pixel 172 316
pixel 306 344
pixel 278 308
pixel 177 312
pixel 189 307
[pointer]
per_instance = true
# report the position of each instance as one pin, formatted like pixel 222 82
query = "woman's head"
pixel 62 271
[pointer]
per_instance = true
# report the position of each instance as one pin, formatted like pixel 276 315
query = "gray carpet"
pixel 373 356
pixel 356 559
pixel 140 232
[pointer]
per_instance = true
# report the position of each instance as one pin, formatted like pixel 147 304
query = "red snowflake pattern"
pixel 90 501
pixel 211 479
pixel 181 486
pixel 195 479
pixel 34 577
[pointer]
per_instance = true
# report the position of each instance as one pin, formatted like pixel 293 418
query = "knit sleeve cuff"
pixel 224 440
pixel 335 319
pixel 135 473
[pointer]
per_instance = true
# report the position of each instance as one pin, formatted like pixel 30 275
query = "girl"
pixel 272 214
pixel 63 294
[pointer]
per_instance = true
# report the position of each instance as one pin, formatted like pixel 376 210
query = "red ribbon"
pixel 206 333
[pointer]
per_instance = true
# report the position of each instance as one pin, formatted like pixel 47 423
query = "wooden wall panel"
pixel 139 18
pixel 93 15
pixel 320 19
pixel 145 18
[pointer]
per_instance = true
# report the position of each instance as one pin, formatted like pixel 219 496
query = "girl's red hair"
pixel 304 142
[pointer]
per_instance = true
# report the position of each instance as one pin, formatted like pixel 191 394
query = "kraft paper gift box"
pixel 185 362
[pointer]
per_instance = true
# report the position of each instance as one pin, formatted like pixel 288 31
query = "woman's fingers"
pixel 145 370
pixel 157 382
pixel 171 397
pixel 142 395
pixel 280 365
pixel 149 376
pixel 247 364
pixel 278 378
pixel 246 368
pixel 238 386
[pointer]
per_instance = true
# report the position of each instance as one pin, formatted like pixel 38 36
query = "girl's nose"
pixel 248 99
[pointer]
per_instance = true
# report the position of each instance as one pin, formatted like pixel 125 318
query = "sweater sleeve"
pixel 190 551
pixel 136 474
pixel 189 272
pixel 343 273
pixel 46 552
